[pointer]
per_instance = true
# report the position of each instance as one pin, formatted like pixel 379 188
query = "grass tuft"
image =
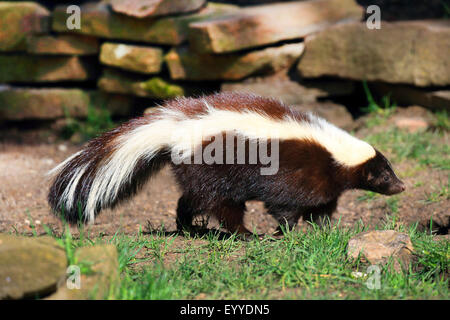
pixel 98 120
pixel 426 148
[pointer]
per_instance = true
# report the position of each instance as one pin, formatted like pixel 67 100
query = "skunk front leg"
pixel 320 214
pixel 186 211
pixel 287 218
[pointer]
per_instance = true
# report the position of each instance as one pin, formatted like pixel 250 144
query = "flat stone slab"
pixel 155 87
pixel 18 20
pixel 63 45
pixel 33 68
pixel 153 8
pixel 133 58
pixel 99 280
pixel 51 103
pixel 408 52
pixel 261 25
pixel 30 267
pixel 377 247
pixel 189 65
pixel 99 20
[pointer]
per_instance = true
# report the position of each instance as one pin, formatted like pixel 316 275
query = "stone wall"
pixel 129 53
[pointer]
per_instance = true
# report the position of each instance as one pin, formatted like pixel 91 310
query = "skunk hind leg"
pixel 231 215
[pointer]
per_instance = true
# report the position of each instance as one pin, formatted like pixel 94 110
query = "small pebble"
pixel 412 124
pixel 358 274
pixel 48 161
pixel 62 147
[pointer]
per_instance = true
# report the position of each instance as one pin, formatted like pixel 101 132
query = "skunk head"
pixel 378 176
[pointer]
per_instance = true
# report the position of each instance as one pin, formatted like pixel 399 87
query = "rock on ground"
pixel 99 20
pixel 377 247
pixel 189 65
pixel 30 267
pixel 410 52
pixel 18 20
pixel 408 118
pixel 133 58
pixel 261 25
pixel 412 124
pixel 412 118
pixel 153 8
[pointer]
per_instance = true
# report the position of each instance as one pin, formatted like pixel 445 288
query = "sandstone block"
pixel 409 52
pixel 261 25
pixel 189 65
pixel 18 20
pixel 99 20
pixel 134 58
pixel 63 45
pixel 153 8
pixel 51 103
pixel 23 68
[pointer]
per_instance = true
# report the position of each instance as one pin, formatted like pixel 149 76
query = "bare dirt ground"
pixel 24 186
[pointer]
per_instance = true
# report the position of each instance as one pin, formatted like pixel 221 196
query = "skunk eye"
pixel 386 178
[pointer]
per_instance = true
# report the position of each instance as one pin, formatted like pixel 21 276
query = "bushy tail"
pixel 111 168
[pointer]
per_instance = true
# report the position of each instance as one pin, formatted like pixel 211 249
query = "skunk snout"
pixel 397 187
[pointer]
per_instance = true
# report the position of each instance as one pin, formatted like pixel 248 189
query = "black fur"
pixel 308 182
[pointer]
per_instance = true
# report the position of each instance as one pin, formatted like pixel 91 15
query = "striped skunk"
pixel 316 162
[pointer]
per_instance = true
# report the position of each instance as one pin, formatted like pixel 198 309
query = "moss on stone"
pixel 17 21
pixel 23 68
pixel 161 89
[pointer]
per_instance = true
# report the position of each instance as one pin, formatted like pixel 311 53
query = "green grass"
pixel 367 196
pixel 442 121
pixel 311 265
pixel 380 111
pixel 430 148
pixel 392 204
pixel 446 7
pixel 442 193
pixel 426 148
pixel 98 120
